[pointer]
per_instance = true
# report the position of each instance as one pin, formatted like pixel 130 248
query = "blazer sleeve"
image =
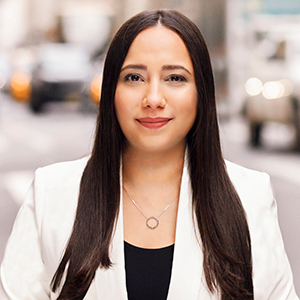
pixel 272 275
pixel 23 274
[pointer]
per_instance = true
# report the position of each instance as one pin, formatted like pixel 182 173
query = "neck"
pixel 152 171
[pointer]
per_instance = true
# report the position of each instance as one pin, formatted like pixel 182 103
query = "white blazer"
pixel 45 220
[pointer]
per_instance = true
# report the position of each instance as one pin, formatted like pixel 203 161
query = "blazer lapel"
pixel 111 283
pixel 187 280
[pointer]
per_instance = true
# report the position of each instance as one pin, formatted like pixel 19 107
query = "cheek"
pixel 188 106
pixel 190 112
pixel 120 104
pixel 125 99
pixel 193 100
pixel 190 116
pixel 124 106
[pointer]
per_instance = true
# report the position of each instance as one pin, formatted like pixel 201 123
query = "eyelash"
pixel 172 78
pixel 180 77
pixel 129 77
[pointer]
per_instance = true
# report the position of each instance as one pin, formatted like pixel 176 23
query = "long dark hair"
pixel 219 215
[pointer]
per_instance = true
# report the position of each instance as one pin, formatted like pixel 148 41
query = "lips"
pixel 154 123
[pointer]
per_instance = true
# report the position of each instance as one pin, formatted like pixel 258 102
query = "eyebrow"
pixel 165 67
pixel 136 67
pixel 175 67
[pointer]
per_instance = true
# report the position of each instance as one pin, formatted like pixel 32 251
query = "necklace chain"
pixel 152 217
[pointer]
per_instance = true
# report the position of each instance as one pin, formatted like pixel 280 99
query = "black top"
pixel 148 272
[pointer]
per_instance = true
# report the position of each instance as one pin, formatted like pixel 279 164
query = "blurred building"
pixel 241 17
pixel 91 22
pixel 14 25
pixel 33 21
pixel 25 23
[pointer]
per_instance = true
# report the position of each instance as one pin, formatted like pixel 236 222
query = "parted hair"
pixel 218 213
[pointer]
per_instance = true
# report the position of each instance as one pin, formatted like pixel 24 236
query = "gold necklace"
pixel 156 219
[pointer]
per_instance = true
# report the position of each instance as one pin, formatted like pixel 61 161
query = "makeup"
pixel 154 123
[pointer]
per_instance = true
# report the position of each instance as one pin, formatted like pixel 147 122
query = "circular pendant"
pixel 152 218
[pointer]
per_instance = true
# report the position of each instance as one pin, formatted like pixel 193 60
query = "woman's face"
pixel 156 94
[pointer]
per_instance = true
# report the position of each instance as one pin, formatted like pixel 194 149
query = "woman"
pixel 159 214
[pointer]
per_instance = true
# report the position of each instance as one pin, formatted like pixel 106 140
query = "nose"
pixel 154 97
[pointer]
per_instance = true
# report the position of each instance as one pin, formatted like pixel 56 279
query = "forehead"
pixel 157 43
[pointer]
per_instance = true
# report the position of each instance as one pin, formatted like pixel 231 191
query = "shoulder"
pixel 271 270
pixel 256 194
pixel 56 188
pixel 62 171
pixel 55 197
pixel 253 187
pixel 242 175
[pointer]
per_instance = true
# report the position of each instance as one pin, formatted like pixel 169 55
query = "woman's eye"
pixel 176 78
pixel 132 77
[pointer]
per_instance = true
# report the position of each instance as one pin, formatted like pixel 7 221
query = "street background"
pixel 65 130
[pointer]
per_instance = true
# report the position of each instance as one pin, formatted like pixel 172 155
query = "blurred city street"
pixel 29 141
pixel 64 132
pixel 53 50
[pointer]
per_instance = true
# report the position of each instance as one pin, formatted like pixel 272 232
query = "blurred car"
pixel 62 72
pixel 272 89
pixel 22 61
